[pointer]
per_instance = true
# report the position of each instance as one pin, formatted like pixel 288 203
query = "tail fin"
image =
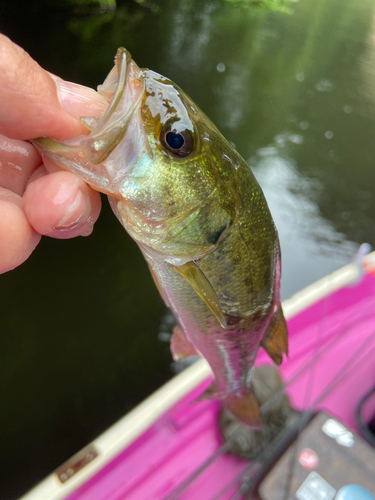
pixel 245 408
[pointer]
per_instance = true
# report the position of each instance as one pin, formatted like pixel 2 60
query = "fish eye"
pixel 178 143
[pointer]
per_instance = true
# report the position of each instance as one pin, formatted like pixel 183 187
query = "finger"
pixel 61 205
pixel 33 104
pixel 17 238
pixel 18 160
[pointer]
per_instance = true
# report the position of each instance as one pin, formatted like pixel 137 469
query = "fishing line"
pixel 306 399
pixel 263 454
pixel 328 389
pixel 364 429
pixel 304 420
pixel 246 484
pixel 181 487
pixel 323 352
pixel 311 379
pixel 334 382
pixel 338 337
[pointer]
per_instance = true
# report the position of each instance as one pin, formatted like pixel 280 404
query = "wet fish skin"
pixel 198 215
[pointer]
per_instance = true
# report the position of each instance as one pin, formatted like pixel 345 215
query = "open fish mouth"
pixel 124 89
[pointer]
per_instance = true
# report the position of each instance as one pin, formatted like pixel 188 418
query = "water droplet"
pixel 304 125
pixel 267 151
pixel 334 156
pixel 300 77
pixel 348 109
pixel 295 138
pixel 324 85
pixel 220 67
pixel 280 140
pixel 329 134
pixel 164 336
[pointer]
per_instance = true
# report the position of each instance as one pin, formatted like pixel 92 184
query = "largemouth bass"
pixel 199 217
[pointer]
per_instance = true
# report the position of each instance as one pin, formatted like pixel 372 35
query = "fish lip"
pixel 125 84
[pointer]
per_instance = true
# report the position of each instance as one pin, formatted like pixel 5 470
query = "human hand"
pixel 36 197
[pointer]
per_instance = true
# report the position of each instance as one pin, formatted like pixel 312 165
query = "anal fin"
pixel 275 339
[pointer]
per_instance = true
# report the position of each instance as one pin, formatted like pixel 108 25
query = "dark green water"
pixel 295 93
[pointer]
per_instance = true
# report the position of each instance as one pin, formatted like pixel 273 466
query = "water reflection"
pixel 310 245
pixel 190 34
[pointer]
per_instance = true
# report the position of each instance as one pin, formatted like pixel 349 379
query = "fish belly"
pixel 230 352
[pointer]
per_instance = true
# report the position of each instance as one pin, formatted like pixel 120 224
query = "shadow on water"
pixel 294 93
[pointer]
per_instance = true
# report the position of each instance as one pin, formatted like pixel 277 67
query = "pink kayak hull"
pixel 337 333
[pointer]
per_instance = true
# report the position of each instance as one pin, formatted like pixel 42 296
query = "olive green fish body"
pixel 199 216
pixel 242 271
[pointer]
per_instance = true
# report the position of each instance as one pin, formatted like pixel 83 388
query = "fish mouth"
pixel 102 157
pixel 124 88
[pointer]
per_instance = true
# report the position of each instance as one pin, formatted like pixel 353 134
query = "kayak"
pixel 172 447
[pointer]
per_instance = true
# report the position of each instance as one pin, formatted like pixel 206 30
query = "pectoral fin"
pixel 195 277
pixel 275 339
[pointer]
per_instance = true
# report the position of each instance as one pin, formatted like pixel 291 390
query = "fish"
pixel 198 215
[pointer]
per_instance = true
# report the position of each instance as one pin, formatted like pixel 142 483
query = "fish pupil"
pixel 174 140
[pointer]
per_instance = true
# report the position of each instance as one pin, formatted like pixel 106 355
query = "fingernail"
pixel 78 100
pixel 81 205
pixel 89 229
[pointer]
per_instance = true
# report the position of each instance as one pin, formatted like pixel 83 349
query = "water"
pixel 294 92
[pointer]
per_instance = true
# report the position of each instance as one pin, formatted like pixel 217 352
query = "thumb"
pixel 34 103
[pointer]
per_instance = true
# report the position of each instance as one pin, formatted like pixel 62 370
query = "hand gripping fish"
pixel 199 217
